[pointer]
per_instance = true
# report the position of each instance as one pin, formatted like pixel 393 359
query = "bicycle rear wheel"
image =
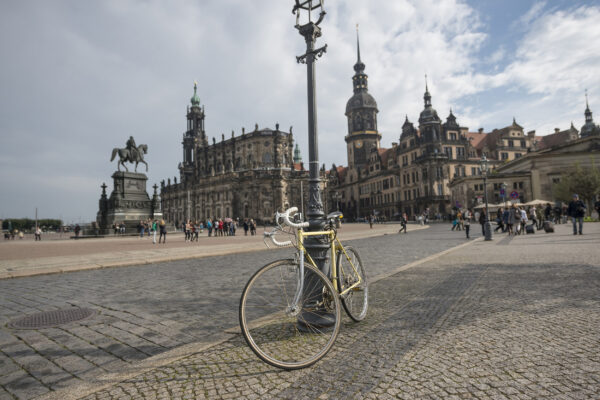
pixel 356 300
pixel 280 332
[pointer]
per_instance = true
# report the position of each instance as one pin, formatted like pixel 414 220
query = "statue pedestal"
pixel 129 202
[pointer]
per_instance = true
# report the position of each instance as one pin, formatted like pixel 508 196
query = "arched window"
pixel 267 158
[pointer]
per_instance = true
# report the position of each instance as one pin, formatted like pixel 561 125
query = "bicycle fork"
pixel 294 308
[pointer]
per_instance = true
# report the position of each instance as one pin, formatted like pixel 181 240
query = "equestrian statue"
pixel 131 153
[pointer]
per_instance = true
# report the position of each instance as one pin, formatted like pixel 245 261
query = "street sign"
pixel 502 192
pixel 514 194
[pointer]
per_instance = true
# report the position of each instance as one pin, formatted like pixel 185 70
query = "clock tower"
pixel 361 111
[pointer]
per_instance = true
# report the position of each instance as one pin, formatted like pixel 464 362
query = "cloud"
pixel 554 62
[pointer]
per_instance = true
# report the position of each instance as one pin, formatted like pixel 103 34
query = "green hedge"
pixel 26 224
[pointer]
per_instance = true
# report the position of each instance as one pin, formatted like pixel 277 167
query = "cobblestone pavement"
pixel 147 310
pixel 517 318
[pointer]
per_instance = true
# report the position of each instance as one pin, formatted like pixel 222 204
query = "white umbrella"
pixel 537 202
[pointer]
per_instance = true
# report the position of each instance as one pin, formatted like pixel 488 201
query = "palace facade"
pixel 420 172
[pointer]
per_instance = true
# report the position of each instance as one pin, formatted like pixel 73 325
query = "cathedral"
pixel 246 176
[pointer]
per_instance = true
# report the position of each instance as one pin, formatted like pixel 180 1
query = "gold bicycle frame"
pixel 335 245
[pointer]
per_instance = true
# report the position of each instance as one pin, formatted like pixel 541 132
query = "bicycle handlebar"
pixel 286 218
pixel 271 235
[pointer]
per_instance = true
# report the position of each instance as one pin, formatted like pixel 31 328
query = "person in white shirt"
pixel 523 219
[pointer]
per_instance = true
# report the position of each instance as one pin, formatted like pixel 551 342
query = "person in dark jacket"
pixel 576 211
pixel 482 220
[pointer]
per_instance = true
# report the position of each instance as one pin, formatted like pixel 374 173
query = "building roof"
pixel 556 138
pixel 476 138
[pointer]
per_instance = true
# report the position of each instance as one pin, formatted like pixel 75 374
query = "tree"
pixel 585 181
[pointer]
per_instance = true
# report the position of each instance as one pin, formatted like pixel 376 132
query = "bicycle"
pixel 289 310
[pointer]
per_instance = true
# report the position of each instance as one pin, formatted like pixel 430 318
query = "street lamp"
pixel 315 246
pixel 487 228
pixel 503 185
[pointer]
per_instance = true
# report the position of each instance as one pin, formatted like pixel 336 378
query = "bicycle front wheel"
pixel 351 274
pixel 290 320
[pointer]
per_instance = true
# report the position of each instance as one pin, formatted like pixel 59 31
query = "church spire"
pixel 427 96
pixel 359 67
pixel 588 112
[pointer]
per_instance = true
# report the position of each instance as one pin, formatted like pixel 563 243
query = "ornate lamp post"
pixel 487 228
pixel 316 247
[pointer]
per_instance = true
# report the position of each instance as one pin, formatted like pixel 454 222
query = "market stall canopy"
pixel 538 202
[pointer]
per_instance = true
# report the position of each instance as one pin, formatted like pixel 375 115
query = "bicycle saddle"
pixel 335 215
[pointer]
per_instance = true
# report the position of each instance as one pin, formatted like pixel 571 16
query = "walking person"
pixel 403 220
pixel 533 216
pixel 252 227
pixel 153 229
pixel 517 224
pixel 482 219
pixel 209 226
pixel 38 233
pixel 577 211
pixel 499 220
pixel 467 221
pixel 246 227
pixel 163 231
pixel 524 220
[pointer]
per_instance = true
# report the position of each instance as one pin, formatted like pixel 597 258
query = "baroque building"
pixel 247 176
pixel 416 174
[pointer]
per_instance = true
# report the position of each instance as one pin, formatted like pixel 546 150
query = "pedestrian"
pixel 141 229
pixel 403 221
pixel 523 220
pixel 252 227
pixel 38 233
pixel 517 224
pixel 576 211
pixel 153 229
pixel 371 221
pixel 77 230
pixel 455 222
pixel 467 222
pixel 209 226
pixel 246 227
pixel 597 206
pixel 483 220
pixel 533 216
pixel 499 222
pixel 163 231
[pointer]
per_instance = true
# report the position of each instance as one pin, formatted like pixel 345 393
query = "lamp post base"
pixel 487 229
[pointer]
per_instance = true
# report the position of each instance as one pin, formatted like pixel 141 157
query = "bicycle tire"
pixel 356 301
pixel 279 336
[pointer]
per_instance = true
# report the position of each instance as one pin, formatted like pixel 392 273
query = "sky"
pixel 77 78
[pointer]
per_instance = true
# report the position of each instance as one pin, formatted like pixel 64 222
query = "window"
pixel 448 151
pixel 460 152
pixel 520 185
pixel 511 143
pixel 440 189
pixel 439 172
pixel 452 136
pixel 504 156
pixel 518 155
pixel 424 173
